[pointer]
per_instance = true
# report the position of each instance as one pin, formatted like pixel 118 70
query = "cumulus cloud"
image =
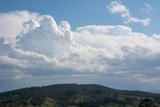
pixel 43 48
pixel 11 22
pixel 119 8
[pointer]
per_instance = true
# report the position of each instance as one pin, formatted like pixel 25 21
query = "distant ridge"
pixel 74 95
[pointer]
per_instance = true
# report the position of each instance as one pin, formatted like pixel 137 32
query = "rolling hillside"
pixel 74 95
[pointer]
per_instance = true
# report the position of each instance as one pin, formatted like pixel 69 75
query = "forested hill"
pixel 74 95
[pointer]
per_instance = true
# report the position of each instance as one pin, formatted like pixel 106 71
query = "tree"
pixel 146 103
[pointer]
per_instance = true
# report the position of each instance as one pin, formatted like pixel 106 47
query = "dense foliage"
pixel 74 95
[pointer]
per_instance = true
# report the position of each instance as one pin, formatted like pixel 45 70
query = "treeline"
pixel 62 95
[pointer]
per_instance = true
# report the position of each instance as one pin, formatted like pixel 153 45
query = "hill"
pixel 74 95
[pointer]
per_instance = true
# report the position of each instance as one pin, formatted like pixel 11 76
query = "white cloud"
pixel 45 48
pixel 147 8
pixel 145 22
pixel 119 8
pixel 11 22
pixel 156 37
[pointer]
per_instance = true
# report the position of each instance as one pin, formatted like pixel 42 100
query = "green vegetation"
pixel 74 95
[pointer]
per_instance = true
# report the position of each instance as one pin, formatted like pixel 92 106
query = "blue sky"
pixel 107 42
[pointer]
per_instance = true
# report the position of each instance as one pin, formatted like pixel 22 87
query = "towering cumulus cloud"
pixel 37 48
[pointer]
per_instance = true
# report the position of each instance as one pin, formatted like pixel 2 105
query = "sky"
pixel 115 43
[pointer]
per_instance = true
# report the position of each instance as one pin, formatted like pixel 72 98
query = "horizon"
pixel 111 43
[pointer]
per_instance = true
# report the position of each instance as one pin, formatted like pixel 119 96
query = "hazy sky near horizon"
pixel 107 42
